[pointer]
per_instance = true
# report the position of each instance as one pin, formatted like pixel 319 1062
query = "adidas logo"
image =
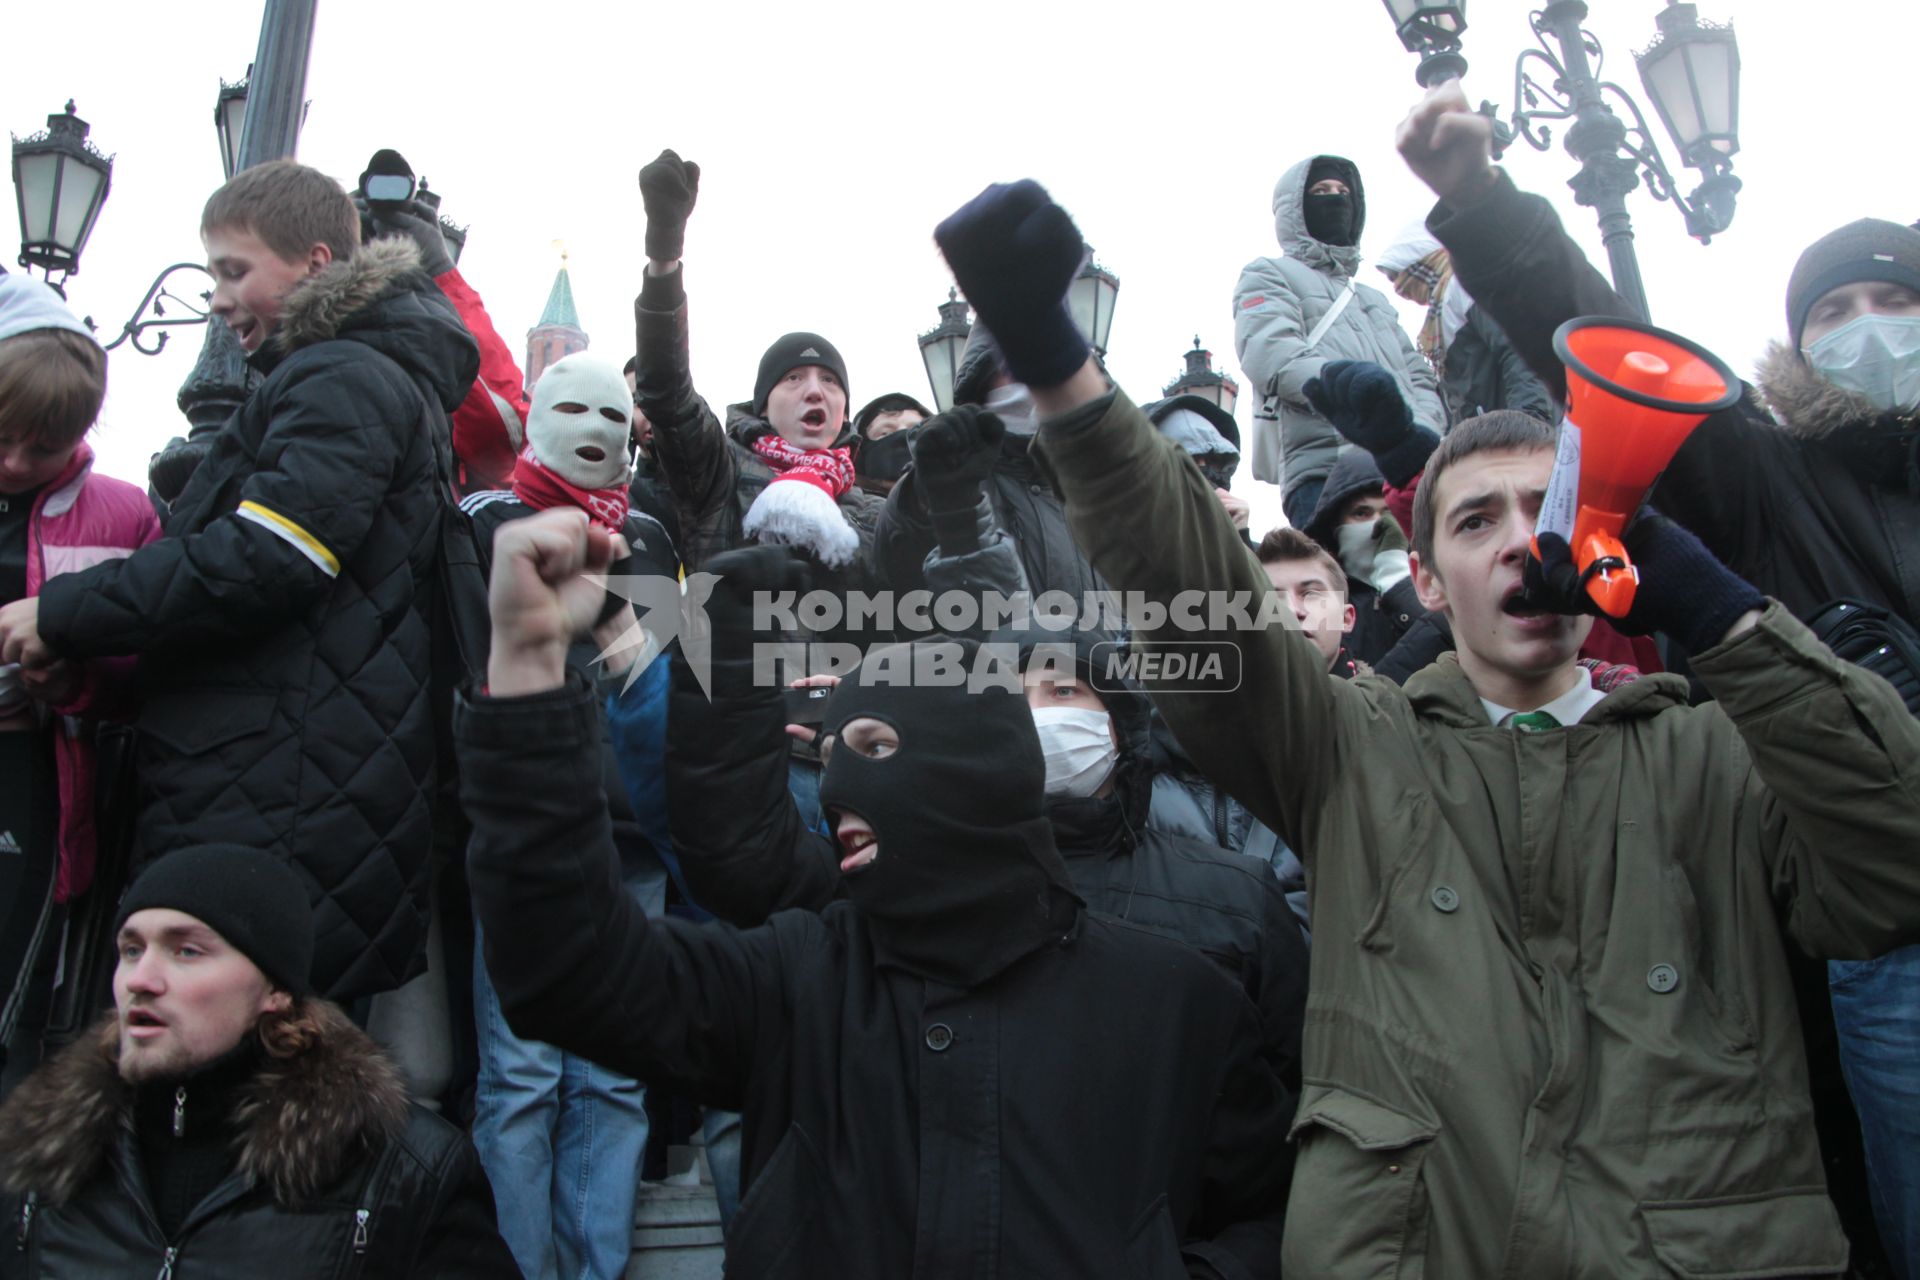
pixel 809 354
pixel 7 843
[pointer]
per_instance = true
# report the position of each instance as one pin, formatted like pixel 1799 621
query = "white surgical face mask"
pixel 1877 356
pixel 1079 749
pixel 1356 549
pixel 1013 405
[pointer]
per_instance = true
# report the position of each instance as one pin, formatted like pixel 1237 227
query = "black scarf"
pixel 967 879
pixel 1330 219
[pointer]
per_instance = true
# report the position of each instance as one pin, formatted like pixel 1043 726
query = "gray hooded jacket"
pixel 1277 305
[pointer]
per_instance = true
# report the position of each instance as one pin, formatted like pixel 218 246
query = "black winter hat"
pixel 793 351
pixel 1870 249
pixel 891 402
pixel 247 896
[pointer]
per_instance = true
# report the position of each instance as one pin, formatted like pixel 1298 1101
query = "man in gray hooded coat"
pixel 1294 313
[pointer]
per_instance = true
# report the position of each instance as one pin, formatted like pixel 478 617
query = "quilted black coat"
pixel 284 622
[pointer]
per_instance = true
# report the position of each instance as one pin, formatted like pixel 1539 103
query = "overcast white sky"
pixel 832 137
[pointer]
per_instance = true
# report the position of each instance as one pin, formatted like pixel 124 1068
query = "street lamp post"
pixel 941 348
pixel 1432 31
pixel 61 181
pixel 1691 73
pixel 1090 299
pixel 273 106
pixel 1203 380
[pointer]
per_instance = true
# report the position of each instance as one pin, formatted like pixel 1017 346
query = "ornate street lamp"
pixel 1432 31
pixel 1201 379
pixel 941 348
pixel 229 117
pixel 1692 73
pixel 61 181
pixel 1090 299
pixel 452 232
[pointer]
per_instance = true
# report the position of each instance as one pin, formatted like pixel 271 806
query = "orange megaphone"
pixel 1634 393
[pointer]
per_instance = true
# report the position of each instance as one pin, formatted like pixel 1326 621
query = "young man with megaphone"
pixel 1820 509
pixel 1549 1030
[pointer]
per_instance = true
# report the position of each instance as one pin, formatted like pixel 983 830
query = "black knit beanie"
pixel 793 351
pixel 249 897
pixel 1870 249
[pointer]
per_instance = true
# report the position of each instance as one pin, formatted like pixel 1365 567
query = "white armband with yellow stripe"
pixel 302 541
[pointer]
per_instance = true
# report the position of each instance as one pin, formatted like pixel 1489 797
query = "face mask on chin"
pixel 885 458
pixel 1874 355
pixel 1013 405
pixel 1357 549
pixel 1079 749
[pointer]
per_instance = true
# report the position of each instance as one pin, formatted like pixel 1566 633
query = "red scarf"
pixel 828 470
pixel 540 487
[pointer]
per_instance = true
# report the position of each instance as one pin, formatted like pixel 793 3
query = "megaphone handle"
pixel 1608 573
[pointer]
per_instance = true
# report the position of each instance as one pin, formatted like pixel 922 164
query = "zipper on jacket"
pixel 166 1265
pixel 1220 818
pixel 26 1223
pixel 180 1111
pixel 360 1217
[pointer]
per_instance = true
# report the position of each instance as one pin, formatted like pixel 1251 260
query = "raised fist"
pixel 668 187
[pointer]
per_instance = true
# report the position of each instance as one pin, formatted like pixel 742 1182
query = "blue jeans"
pixel 722 1132
pixel 1876 1008
pixel 561 1140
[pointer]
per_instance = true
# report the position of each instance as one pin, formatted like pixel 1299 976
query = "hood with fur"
pixel 1810 406
pixel 1290 218
pixel 304 1121
pixel 382 298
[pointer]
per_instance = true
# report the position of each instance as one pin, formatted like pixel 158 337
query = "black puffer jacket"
pixel 1097 1108
pixel 712 473
pixel 284 622
pixel 746 855
pixel 336 1175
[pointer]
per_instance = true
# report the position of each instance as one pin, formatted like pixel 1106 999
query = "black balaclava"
pixel 884 459
pixel 967 879
pixel 1330 219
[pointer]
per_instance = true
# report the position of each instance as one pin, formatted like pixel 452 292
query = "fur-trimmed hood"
pixel 381 297
pixel 1811 406
pixel 303 1121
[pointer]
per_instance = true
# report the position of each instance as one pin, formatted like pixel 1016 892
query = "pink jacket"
pixel 79 520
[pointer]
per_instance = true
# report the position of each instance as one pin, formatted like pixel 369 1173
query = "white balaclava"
pixel 581 423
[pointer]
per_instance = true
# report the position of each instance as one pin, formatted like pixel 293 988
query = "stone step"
pixel 676 1232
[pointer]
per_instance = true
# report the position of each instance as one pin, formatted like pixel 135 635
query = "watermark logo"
pixel 791 634
pixel 665 610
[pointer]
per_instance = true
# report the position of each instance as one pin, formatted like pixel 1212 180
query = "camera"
pixel 808 706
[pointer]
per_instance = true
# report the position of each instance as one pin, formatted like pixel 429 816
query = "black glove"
pixel 953 453
pixel 1684 590
pixel 1014 252
pixel 169 470
pixel 418 224
pixel 744 573
pixel 1363 403
pixel 668 187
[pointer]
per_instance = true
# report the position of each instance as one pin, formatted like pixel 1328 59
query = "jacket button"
pixel 1446 899
pixel 1663 978
pixel 1036 489
pixel 939 1036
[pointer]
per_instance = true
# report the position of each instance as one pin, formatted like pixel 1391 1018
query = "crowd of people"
pixel 384 858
